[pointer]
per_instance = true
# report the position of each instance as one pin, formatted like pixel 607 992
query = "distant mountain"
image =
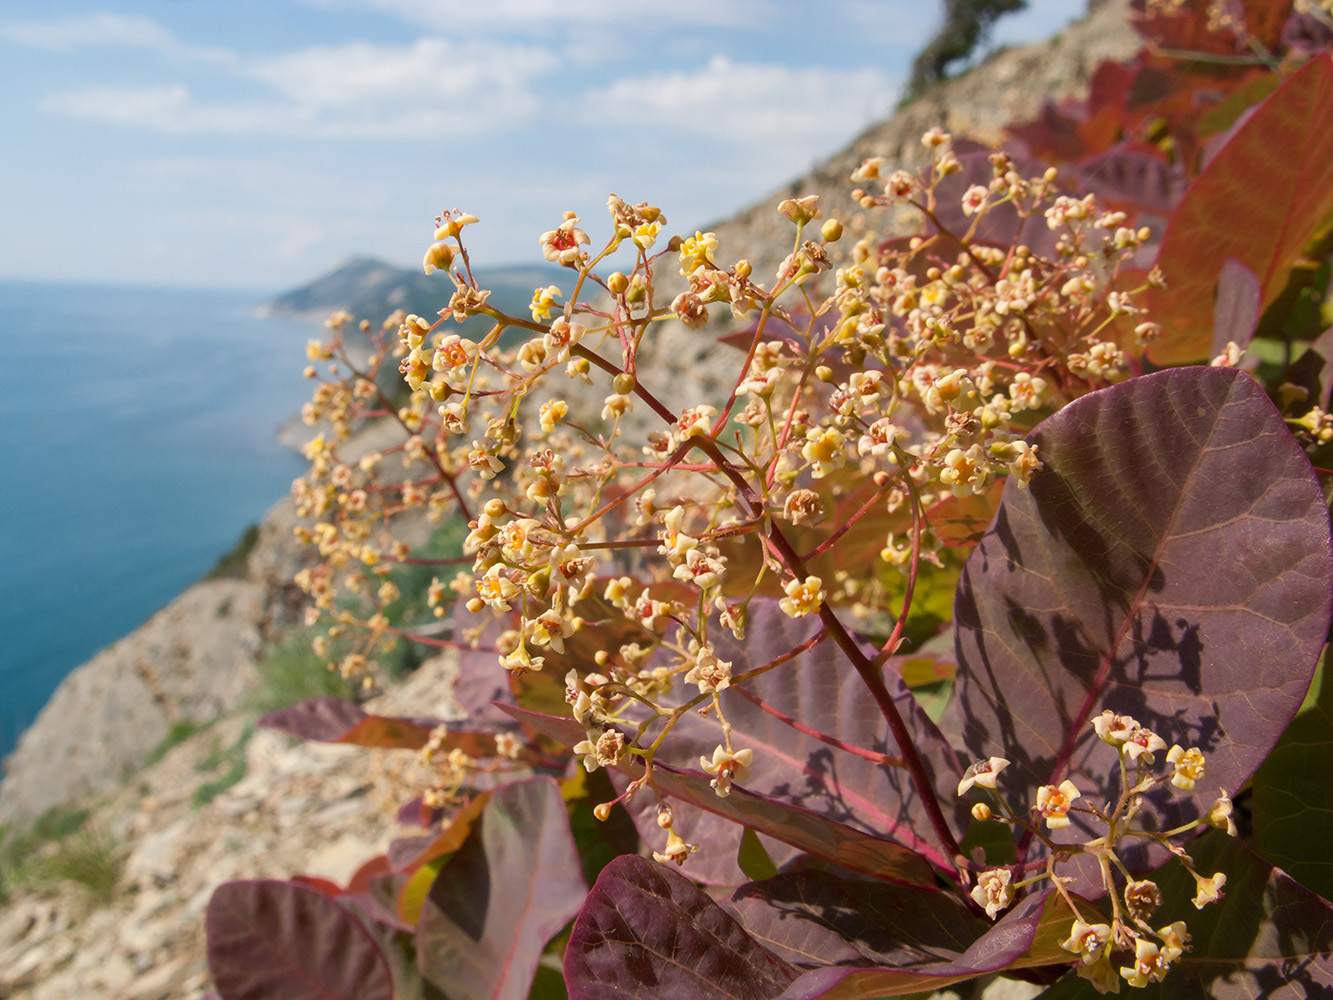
pixel 372 289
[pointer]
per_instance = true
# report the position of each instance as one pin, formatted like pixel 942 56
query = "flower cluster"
pixel 1133 902
pixel 909 370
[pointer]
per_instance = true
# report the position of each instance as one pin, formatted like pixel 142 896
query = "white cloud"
pixel 106 31
pixel 429 88
pixel 423 73
pixel 748 103
pixel 511 16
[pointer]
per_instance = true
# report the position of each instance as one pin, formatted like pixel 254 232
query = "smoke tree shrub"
pixel 952 640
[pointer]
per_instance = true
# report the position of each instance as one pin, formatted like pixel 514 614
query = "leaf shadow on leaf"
pixel 815 918
pixel 1174 548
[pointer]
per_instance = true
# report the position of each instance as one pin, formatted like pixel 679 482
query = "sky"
pixel 256 143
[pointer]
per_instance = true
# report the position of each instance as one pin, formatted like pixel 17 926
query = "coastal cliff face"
pixel 320 809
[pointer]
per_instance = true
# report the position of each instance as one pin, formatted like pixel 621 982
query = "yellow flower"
pixel 1053 803
pixel 825 448
pixel 1091 942
pixel 1189 767
pixel 993 891
pixel 802 598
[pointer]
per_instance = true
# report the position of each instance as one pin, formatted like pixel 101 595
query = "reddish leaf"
pixel 647 933
pixel 1134 177
pixel 777 818
pixel 814 918
pixel 510 888
pixel 1236 313
pixel 323 886
pixel 1264 197
pixel 1174 550
pixel 328 719
pixel 323 719
pixel 275 939
pixel 1026 936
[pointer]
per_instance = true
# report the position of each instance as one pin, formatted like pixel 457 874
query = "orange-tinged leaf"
pixel 1262 200
pixel 428 863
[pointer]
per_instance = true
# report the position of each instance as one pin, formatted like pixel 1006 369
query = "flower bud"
pixel 981 812
pixel 831 230
pixel 617 283
pixel 624 383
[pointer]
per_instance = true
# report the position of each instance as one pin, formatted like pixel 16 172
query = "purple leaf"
pixel 646 932
pixel 809 831
pixel 323 719
pixel 1025 936
pixel 1134 175
pixel 1171 562
pixel 1236 310
pixel 274 939
pixel 815 918
pixel 504 894
pixel 819 688
pixel 1001 225
pixel 329 719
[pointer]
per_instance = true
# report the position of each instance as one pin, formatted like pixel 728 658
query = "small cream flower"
pixel 1175 940
pixel 993 891
pixel 676 850
pixel 709 673
pixel 1114 729
pixel 1091 942
pixel 1150 964
pixel 1053 803
pixel 1143 743
pixel 982 773
pixel 727 767
pixel 802 598
pixel 561 245
pixel 1209 889
pixel 1220 814
pixel 601 749
pixel 1189 767
pixel 825 448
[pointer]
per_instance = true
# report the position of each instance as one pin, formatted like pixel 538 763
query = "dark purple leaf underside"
pixel 504 894
pixel 323 719
pixel 799 827
pixel 1236 309
pixel 1022 937
pixel 329 719
pixel 275 939
pixel 1001 226
pixel 1134 176
pixel 820 689
pixel 814 918
pixel 646 933
pixel 718 865
pixel 1171 562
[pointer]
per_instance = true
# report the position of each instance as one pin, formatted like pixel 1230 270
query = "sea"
pixel 137 442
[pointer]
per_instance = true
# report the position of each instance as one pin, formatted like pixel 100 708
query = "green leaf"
pixel 753 858
pixel 1293 795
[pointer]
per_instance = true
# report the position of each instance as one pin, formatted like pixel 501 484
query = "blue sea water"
pixel 137 442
